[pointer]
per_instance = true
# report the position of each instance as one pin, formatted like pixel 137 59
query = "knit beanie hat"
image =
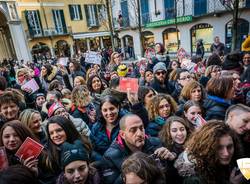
pixel 54 107
pixel 122 70
pixel 73 152
pixel 159 66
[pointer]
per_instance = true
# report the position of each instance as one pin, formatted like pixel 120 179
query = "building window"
pixel 124 14
pixel 34 22
pixel 243 27
pixel 59 21
pixel 169 9
pixel 91 15
pixel 200 7
pixel 75 12
pixel 145 12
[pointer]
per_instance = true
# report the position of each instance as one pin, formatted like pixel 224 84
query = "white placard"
pixel 63 61
pixel 31 84
pixel 93 57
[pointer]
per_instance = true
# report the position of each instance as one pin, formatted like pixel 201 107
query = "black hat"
pixel 73 152
pixel 232 61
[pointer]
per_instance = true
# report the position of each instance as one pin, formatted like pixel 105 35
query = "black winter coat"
pixel 118 152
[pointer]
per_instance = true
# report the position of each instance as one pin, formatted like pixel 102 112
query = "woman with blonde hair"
pixel 161 107
pixel 32 119
pixel 79 80
pixel 115 60
pixel 82 105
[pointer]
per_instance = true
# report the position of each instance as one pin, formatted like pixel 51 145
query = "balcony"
pixel 48 32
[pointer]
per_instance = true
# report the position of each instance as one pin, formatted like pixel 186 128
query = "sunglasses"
pixel 188 77
pixel 159 73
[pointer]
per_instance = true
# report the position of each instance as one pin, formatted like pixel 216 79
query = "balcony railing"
pixel 49 32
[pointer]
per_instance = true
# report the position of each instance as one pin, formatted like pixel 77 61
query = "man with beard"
pixel 160 81
pixel 131 139
pixel 238 119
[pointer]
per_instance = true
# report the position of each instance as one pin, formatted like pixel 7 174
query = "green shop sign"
pixel 169 21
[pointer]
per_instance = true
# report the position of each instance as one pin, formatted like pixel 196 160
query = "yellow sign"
pixel 244 166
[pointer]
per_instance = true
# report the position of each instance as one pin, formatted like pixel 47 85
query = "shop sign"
pixel 166 22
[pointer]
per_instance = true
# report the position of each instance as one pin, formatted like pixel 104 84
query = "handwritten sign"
pixel 93 57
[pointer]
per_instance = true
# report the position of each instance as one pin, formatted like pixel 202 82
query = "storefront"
pixel 202 31
pixel 148 39
pixel 128 44
pixel 91 41
pixel 62 49
pixel 41 51
pixel 170 39
pixel 243 28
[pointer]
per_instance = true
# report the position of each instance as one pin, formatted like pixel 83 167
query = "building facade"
pixel 63 28
pixel 196 19
pixel 13 43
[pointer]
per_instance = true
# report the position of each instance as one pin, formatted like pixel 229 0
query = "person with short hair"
pixel 140 168
pixel 9 106
pixel 238 119
pixel 131 139
pixel 217 47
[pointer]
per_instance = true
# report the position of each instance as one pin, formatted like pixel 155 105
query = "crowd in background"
pixel 188 123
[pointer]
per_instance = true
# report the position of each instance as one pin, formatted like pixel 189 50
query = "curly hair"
pixel 90 82
pixel 153 110
pixel 203 145
pixel 165 135
pixel 81 96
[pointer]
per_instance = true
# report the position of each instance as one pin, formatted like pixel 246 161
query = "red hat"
pixel 54 107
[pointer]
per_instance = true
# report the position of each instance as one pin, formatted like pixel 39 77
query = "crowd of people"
pixel 188 123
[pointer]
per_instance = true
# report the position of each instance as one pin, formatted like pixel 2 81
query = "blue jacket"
pixel 100 140
pixel 155 126
pixel 215 107
pixel 118 152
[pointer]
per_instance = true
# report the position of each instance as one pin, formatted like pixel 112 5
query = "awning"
pixel 90 35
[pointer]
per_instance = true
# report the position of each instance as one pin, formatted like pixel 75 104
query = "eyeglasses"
pixel 165 105
pixel 159 73
pixel 187 77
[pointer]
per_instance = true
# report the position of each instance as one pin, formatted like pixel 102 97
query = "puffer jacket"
pixel 80 125
pixel 154 127
pixel 100 139
pixel 117 153
pixel 215 107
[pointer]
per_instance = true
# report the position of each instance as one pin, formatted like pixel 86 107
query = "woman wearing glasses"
pixel 183 77
pixel 162 106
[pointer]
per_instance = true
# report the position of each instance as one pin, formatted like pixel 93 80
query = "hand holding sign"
pixel 128 83
pixel 29 148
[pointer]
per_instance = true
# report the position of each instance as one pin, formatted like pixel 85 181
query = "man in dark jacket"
pixel 131 139
pixel 160 82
